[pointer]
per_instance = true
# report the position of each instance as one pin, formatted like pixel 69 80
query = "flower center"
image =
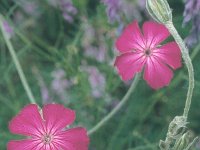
pixel 147 52
pixel 47 139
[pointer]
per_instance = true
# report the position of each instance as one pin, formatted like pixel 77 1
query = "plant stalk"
pixel 16 62
pixel 118 107
pixel 188 62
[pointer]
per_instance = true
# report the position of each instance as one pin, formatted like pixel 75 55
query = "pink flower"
pixel 45 129
pixel 143 50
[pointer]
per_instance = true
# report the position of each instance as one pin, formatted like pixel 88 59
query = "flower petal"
pixel 57 117
pixel 157 74
pixel 130 39
pixel 129 63
pixel 62 145
pixel 170 54
pixel 76 137
pixel 23 145
pixel 51 146
pixel 154 33
pixel 28 122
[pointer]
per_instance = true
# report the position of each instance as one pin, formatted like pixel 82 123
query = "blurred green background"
pixel 70 61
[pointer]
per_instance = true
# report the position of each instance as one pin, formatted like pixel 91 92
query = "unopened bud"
pixel 175 130
pixel 159 10
pixel 185 142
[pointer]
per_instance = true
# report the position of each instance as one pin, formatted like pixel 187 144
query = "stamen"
pixel 47 139
pixel 147 52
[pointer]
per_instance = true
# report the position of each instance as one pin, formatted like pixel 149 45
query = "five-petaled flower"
pixel 140 50
pixel 45 129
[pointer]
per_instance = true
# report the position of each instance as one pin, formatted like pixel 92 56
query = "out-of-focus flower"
pixel 30 7
pixel 26 16
pixel 113 9
pixel 140 51
pixel 45 93
pixel 60 84
pixel 96 52
pixel 117 9
pixel 134 9
pixel 67 8
pixel 93 47
pixel 58 88
pixel 142 4
pixel 8 29
pixel 191 13
pixel 97 82
pixel 192 9
pixel 45 129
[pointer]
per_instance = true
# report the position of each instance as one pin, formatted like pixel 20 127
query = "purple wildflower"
pixel 60 84
pixel 192 9
pixel 117 9
pixel 93 47
pixel 45 94
pixel 97 81
pixel 113 9
pixel 7 28
pixel 31 8
pixel 191 13
pixel 96 52
pixel 67 8
pixel 132 10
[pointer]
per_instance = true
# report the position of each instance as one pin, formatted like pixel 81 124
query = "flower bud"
pixel 159 10
pixel 175 130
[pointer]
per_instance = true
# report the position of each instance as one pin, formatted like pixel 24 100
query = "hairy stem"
pixel 118 107
pixel 188 62
pixel 16 62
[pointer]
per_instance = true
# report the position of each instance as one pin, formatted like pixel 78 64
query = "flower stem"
pixel 188 62
pixel 118 107
pixel 16 62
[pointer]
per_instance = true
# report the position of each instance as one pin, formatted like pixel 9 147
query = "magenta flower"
pixel 46 129
pixel 143 50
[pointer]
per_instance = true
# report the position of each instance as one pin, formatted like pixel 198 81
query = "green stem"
pixel 188 62
pixel 16 62
pixel 117 108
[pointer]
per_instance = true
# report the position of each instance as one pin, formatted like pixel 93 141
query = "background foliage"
pixel 63 59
